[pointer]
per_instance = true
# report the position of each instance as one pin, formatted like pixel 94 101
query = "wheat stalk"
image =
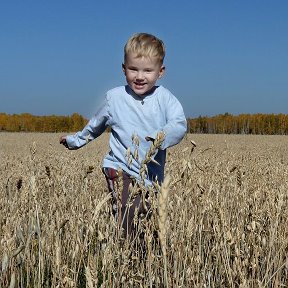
pixel 162 218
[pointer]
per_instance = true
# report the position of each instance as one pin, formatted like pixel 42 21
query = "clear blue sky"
pixel 60 57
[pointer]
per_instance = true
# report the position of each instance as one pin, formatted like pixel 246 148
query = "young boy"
pixel 136 113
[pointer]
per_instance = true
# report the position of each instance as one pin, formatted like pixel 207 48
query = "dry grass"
pixel 226 222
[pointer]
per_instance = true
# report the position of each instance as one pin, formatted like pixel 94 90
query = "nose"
pixel 140 75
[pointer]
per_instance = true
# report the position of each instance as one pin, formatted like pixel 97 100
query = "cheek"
pixel 129 76
pixel 154 78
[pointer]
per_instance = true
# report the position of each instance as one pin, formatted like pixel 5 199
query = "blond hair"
pixel 145 45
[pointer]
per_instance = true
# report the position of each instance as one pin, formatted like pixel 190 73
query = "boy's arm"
pixel 94 128
pixel 176 124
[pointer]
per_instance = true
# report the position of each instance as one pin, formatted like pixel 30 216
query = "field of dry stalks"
pixel 226 216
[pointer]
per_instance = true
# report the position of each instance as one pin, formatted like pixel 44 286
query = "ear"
pixel 123 68
pixel 161 72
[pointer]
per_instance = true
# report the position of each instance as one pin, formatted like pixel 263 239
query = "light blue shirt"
pixel 129 114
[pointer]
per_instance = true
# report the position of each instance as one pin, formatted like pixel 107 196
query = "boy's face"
pixel 142 73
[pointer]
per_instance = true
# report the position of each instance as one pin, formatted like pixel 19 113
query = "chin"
pixel 140 92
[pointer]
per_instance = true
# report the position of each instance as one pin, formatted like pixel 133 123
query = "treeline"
pixel 268 124
pixel 31 123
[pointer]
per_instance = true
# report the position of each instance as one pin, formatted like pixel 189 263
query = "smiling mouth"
pixel 139 84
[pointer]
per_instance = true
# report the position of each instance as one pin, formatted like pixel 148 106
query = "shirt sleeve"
pixel 95 127
pixel 176 124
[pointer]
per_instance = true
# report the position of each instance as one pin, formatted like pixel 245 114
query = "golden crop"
pixel 221 218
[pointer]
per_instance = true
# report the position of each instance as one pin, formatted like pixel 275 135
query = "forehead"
pixel 134 59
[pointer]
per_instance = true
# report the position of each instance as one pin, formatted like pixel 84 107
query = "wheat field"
pixel 221 217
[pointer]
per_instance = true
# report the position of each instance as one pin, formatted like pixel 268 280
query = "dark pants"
pixel 124 208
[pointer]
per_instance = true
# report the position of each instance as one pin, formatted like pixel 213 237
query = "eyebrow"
pixel 131 67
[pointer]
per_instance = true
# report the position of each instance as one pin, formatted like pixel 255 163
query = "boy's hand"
pixel 63 141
